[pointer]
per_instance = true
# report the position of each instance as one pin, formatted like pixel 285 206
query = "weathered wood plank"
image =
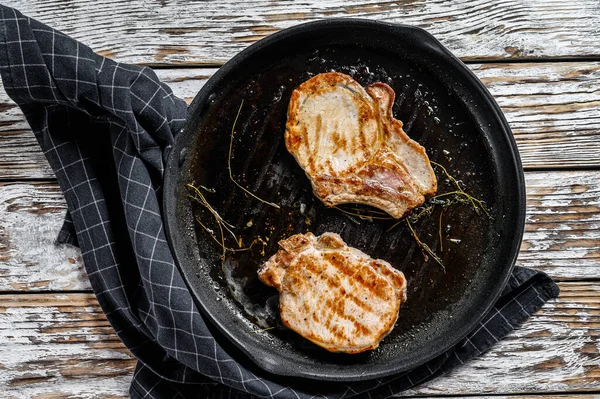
pixel 54 343
pixel 534 358
pixel 576 395
pixel 21 156
pixel 60 346
pixel 31 216
pixel 553 110
pixel 562 235
pixel 201 33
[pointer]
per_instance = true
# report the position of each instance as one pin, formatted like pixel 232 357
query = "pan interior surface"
pixel 442 107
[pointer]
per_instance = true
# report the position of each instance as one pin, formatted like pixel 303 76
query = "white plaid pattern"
pixel 104 128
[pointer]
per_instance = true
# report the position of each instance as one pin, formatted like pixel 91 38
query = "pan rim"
pixel 266 360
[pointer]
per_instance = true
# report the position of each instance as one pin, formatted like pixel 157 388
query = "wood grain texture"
pixel 562 231
pixel 60 346
pixel 31 216
pixel 575 395
pixel 211 32
pixel 59 343
pixel 553 109
pixel 562 234
pixel 534 358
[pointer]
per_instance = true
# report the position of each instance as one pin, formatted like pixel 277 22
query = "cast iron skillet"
pixel 443 106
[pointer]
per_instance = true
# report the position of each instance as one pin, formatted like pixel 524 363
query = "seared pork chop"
pixel 351 147
pixel 334 295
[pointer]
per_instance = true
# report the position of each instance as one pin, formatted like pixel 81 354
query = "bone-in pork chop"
pixel 334 295
pixel 351 147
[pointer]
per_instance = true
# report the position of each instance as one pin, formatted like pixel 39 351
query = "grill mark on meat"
pixel 337 307
pixel 365 114
pixel 319 123
pixel 359 302
pixel 334 284
pixel 317 274
pixel 342 266
pixel 340 142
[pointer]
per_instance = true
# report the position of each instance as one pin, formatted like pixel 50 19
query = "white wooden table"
pixel 539 58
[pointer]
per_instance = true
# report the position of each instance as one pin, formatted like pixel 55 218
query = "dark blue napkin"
pixel 105 128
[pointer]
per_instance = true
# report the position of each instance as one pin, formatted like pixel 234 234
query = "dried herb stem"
pixel 229 163
pixel 222 243
pixel 212 234
pixel 352 219
pixel 362 216
pixel 222 224
pixel 425 211
pixel 458 195
pixel 477 204
pixel 371 211
pixel 424 247
pixel 199 197
pixel 393 226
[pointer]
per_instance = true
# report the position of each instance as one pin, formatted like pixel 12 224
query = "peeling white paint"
pixel 523 362
pixel 84 388
pixel 552 351
pixel 214 31
pixel 553 109
pixel 50 343
pixel 30 219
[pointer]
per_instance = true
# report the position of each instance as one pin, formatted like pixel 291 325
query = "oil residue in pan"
pixel 261 163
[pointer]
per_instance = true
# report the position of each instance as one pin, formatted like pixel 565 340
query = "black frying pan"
pixel 443 106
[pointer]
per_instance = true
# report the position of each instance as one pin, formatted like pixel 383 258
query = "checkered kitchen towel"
pixel 105 128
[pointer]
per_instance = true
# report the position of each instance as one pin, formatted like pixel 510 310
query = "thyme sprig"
pixel 445 201
pixel 370 215
pixel 424 247
pixel 222 224
pixel 477 204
